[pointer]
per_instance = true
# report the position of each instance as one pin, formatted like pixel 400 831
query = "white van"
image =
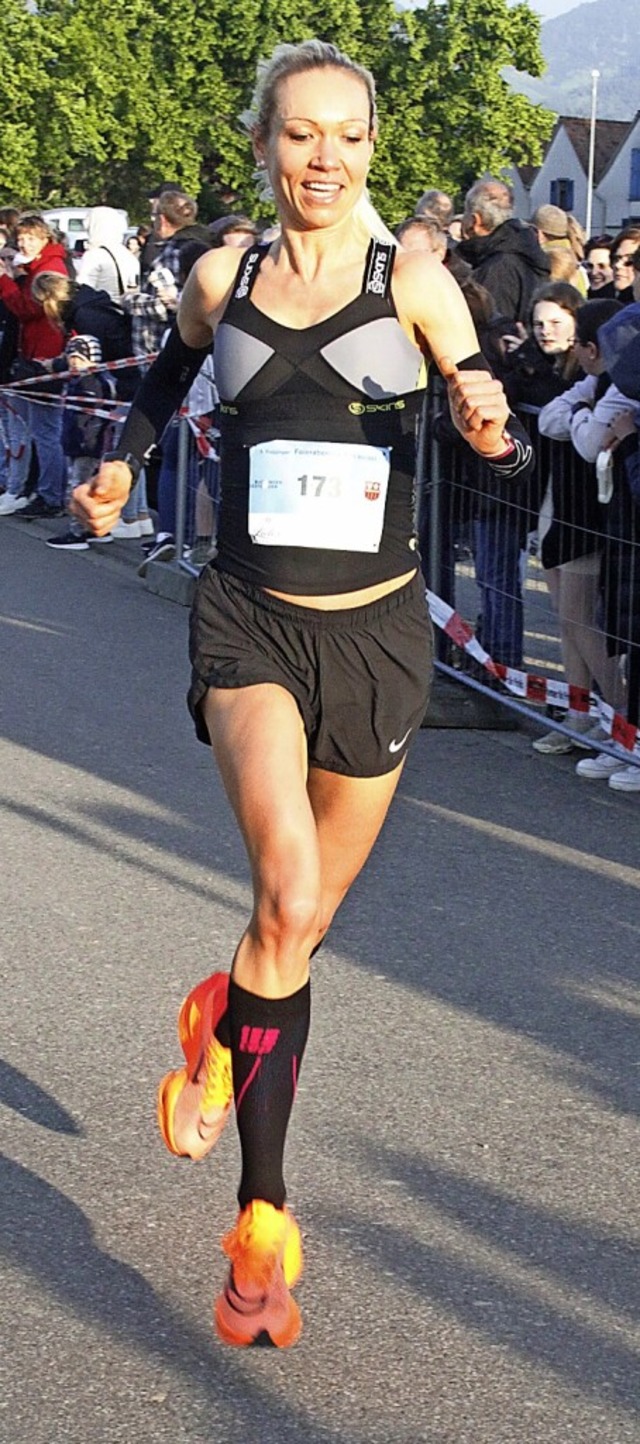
pixel 72 222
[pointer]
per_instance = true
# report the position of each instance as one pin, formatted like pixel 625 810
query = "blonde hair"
pixel 54 292
pixel 576 236
pixel 295 60
pixel 257 120
pixel 563 265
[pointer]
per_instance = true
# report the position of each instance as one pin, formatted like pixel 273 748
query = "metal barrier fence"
pixel 510 623
pixel 554 602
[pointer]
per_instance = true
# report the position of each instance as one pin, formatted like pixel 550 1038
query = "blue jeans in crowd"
pixel 15 421
pixel 168 482
pixel 45 427
pixel 500 560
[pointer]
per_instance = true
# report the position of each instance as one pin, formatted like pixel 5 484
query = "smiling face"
pixel 621 261
pixel 599 268
pixel 553 328
pixel 318 148
pixel 31 241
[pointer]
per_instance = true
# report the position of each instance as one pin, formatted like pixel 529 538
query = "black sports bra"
pixel 340 399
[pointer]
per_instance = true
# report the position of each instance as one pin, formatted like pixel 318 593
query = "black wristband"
pixel 135 467
pixel 477 362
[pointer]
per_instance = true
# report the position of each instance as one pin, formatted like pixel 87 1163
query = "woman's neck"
pixel 309 254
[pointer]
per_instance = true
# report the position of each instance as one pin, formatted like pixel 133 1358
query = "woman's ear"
pixel 258 150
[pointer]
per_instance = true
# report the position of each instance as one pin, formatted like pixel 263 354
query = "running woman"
pixel 310 640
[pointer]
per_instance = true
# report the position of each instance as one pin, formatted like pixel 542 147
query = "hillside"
pixel 603 36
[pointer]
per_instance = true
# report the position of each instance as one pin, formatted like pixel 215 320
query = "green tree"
pixel 478 124
pixel 21 80
pixel 104 99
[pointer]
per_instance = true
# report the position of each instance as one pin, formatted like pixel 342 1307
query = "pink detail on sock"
pixel 294 1074
pixel 269 1040
pixel 247 1083
pixel 258 1040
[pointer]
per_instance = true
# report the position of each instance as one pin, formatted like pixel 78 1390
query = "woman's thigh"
pixel 260 747
pixel 349 813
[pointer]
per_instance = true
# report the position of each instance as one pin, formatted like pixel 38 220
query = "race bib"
pixel 322 494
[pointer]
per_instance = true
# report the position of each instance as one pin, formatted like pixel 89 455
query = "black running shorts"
pixel 360 676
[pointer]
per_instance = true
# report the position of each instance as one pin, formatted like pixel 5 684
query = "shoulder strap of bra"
pixel 378 269
pixel 247 272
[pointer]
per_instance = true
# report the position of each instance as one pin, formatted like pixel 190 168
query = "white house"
pixel 619 187
pixel 562 178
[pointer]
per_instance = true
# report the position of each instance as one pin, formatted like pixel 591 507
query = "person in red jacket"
pixel 39 422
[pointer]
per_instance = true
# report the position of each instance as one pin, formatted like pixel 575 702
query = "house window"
pixel 561 193
pixel 634 182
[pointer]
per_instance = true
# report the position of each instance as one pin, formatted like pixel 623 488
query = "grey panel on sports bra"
pixel 378 358
pixel 237 358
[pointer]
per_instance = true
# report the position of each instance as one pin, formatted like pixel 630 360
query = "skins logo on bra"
pixel 377 282
pixel 244 286
pixel 358 408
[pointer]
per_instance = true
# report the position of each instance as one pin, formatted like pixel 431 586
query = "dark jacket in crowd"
pixel 621 561
pixel 84 433
pixel 510 263
pixel 93 313
pixel 531 377
pixel 9 332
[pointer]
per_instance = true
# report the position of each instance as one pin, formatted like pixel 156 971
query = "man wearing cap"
pixel 561 237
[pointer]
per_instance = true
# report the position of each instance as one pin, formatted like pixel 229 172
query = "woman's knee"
pixel 287 917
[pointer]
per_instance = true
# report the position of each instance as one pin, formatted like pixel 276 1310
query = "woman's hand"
pixel 479 408
pixel 98 503
pixel 624 425
pixel 516 340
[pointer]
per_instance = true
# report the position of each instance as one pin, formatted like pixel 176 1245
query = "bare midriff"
pixel 340 600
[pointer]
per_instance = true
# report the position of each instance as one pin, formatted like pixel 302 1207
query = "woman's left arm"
pixel 431 305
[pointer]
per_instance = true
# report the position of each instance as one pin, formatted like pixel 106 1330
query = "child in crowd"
pixel 86 432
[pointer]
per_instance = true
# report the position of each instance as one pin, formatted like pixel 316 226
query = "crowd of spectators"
pixel 542 296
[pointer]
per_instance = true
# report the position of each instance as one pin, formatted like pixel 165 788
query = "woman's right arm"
pixel 98 503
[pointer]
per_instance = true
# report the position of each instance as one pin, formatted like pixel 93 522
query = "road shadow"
pixel 50 1238
pixel 510 1313
pixel 25 1097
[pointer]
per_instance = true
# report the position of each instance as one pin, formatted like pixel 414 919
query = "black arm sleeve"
pixel 160 394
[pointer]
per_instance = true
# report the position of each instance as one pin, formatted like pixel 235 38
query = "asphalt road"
pixel 463 1156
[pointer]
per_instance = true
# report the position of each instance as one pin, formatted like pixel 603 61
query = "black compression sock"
pixel 268 1039
pixel 222 1031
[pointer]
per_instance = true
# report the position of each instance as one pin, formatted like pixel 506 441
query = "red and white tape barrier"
pixel 528 685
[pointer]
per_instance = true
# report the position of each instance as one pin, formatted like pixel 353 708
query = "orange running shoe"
pixel 194 1102
pixel 255 1306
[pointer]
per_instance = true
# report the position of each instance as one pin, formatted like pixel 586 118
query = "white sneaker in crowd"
pixel 146 526
pixel 124 530
pixel 554 744
pixel 599 768
pixel 626 779
pixel 10 503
